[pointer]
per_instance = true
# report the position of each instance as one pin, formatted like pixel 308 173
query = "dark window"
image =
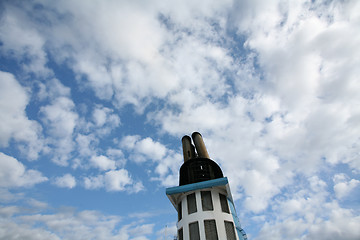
pixel 206 201
pixel 194 231
pixel 224 203
pixel 210 230
pixel 180 234
pixel 191 203
pixel 179 211
pixel 230 231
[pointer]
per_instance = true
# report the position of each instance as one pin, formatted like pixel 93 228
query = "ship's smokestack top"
pixel 189 149
pixel 197 165
pixel 200 145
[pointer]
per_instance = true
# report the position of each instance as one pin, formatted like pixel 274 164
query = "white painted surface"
pixel 201 215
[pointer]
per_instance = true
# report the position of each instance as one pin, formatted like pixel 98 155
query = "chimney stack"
pixel 188 148
pixel 200 145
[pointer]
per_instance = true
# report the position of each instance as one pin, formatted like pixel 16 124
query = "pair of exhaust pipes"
pixel 189 149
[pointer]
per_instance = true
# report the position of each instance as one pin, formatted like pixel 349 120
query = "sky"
pixel 95 97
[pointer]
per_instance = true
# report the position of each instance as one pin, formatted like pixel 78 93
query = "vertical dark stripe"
pixel 230 231
pixel 194 231
pixel 179 211
pixel 180 234
pixel 224 203
pixel 191 203
pixel 210 230
pixel 206 201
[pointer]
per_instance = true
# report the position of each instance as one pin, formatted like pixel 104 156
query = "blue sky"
pixel 95 97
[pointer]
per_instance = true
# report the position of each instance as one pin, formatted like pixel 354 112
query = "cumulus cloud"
pixel 288 124
pixel 105 120
pixel 52 89
pixel 117 154
pixel 85 144
pixel 15 123
pixel 60 119
pixel 142 230
pixel 36 204
pixel 114 180
pixel 341 223
pixel 117 180
pixel 89 133
pixel 144 149
pixel 7 196
pixel 94 182
pixel 30 46
pixel 343 186
pixel 66 181
pixel 147 150
pixel 14 174
pixel 307 213
pixel 306 84
pixel 167 231
pixel 69 225
pixel 15 231
pixel 102 162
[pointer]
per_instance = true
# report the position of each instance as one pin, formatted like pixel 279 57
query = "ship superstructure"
pixel 203 199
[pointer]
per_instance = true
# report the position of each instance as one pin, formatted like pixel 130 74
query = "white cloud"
pixel 14 174
pixel 292 121
pixel 94 182
pixel 136 187
pixel 102 162
pixel 167 231
pixel 62 225
pixel 52 89
pixel 105 115
pixel 15 125
pixel 343 186
pixel 89 136
pixel 151 149
pixel 117 180
pixel 15 23
pixel 36 204
pixel 133 63
pixel 308 213
pixel 121 46
pixel 99 116
pixel 7 197
pixel 9 211
pixel 85 144
pixel 69 224
pixel 105 120
pixel 306 65
pixel 114 180
pixel 129 141
pixel 259 190
pixel 142 230
pixel 341 224
pixel 14 231
pixel 60 119
pixel 113 152
pixel 146 149
pixel 66 181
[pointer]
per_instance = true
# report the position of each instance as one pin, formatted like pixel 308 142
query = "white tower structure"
pixel 203 199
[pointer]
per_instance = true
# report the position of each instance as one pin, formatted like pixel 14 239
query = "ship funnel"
pixel 200 145
pixel 188 148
